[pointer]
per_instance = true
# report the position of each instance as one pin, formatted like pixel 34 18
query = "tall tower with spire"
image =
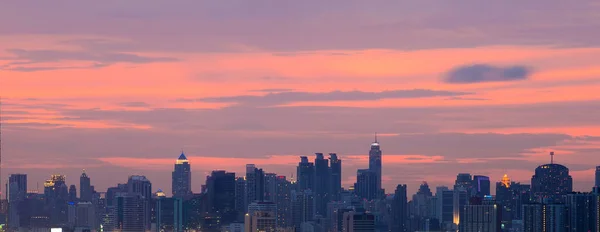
pixel 375 162
pixel 182 178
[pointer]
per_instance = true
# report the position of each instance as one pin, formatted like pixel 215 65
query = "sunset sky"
pixel 121 87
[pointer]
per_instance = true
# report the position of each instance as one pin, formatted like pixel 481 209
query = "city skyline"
pixel 447 87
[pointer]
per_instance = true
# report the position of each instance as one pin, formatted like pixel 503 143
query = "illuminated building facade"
pixel 551 182
pixel 182 178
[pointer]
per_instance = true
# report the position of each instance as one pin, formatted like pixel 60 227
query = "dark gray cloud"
pixel 287 97
pixel 31 58
pixel 134 104
pixel 477 73
pixel 271 90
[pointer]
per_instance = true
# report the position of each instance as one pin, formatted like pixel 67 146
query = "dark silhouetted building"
pixel 481 186
pixel 220 187
pixel 399 215
pixel 283 200
pixel 85 188
pixel 375 164
pixel 72 193
pixel 302 207
pixel 366 184
pixel 322 184
pixel 305 174
pixel 511 196
pixel 169 214
pixel 464 182
pixel 481 215
pixel 17 192
pixel 255 184
pixel 582 209
pixel 544 218
pixel 240 197
pixel 270 186
pixel 182 178
pixel 56 194
pixel 551 182
pixel 336 176
pixel 358 222
pixel 140 185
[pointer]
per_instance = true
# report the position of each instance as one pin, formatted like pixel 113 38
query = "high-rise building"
pixel 56 194
pixel 305 174
pixel 399 215
pixel 481 186
pixel 375 163
pixel 169 214
pixel 336 176
pixel 302 207
pixel 270 186
pixel 72 193
pixel 86 216
pixel 141 186
pixel 283 200
pixel 481 215
pixel 130 212
pixel 544 217
pixel 421 201
pixel 240 197
pixel 263 206
pixel 261 221
pixel 182 178
pixel 461 198
pixel 596 188
pixel 17 192
pixel 551 182
pixel 220 187
pixel 464 182
pixel 85 190
pixel 511 196
pixel 582 212
pixel 322 184
pixel 359 222
pixel 255 184
pixel 366 184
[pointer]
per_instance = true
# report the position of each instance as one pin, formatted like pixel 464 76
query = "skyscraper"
pixel 220 187
pixel 461 198
pixel 270 186
pixel 86 216
pixel 322 184
pixel 182 178
pixel 17 191
pixel 72 193
pixel 551 182
pixel 85 190
pixel 302 207
pixel 169 214
pixel 544 217
pixel 582 212
pixel 305 174
pixel 255 184
pixel 375 163
pixel 464 182
pixel 481 186
pixel 283 200
pixel 399 215
pixel 597 185
pixel 481 215
pixel 336 176
pixel 240 197
pixel 366 184
pixel 140 185
pixel 131 212
pixel 56 194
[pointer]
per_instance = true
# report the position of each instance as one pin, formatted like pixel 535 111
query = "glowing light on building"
pixel 506 181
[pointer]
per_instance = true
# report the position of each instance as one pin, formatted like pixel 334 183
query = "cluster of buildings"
pixel 315 201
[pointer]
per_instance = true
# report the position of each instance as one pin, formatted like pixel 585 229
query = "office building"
pixel 399 216
pixel 169 214
pixel 544 218
pixel 140 185
pixel 240 197
pixel 481 215
pixel 582 210
pixel 551 182
pixel 130 212
pixel 261 221
pixel 283 200
pixel 481 186
pixel 220 186
pixel 358 222
pixel 86 216
pixel 255 184
pixel 322 184
pixel 182 178
pixel 85 188
pixel 336 176
pixel 305 174
pixel 56 194
pixel 421 201
pixel 375 157
pixel 464 182
pixel 302 207
pixel 17 192
pixel 366 184
pixel 270 186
